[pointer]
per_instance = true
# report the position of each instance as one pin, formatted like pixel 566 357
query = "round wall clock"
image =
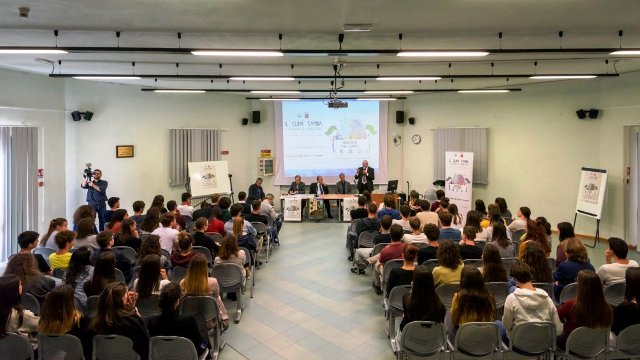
pixel 416 139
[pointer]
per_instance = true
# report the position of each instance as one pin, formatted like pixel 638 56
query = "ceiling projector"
pixel 337 104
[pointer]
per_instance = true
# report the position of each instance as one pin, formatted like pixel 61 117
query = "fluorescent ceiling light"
pixel 263 78
pixel 98 77
pixel 255 53
pixel 561 77
pixel 495 91
pixel 625 52
pixel 178 91
pixel 279 99
pixel 357 27
pixel 389 92
pixel 376 99
pixel 407 78
pixel 32 51
pixel 275 92
pixel 443 53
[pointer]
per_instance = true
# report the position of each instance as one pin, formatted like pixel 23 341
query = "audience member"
pixel 79 271
pixel 167 233
pixel 371 224
pixel 473 302
pixel 628 313
pixel 151 279
pixel 216 224
pixel 436 204
pixel 225 204
pixel 138 209
pixel 390 252
pixel 456 218
pixel 60 259
pixel 114 204
pixel 158 202
pixel 427 216
pixel 443 205
pixel 244 238
pixel 405 212
pixel 24 266
pixel 524 215
pixel 416 235
pixel 482 209
pixel 536 232
pixel 236 213
pixel 501 241
pixel 201 239
pixel 447 232
pixel 567 272
pixel 429 252
pixel 383 237
pixel 16 319
pixel 116 220
pixel 151 245
pixel 198 282
pixel 266 208
pixel 84 211
pixel 361 211
pixel 616 262
pixel 468 248
pixel 565 231
pixel 473 219
pixel 151 221
pixel 504 210
pixel 105 240
pixel 257 216
pixel 492 269
pixel 183 255
pixel 389 208
pixel 55 226
pixel 242 199
pixel 403 275
pixel 129 235
pixel 86 235
pixel 172 208
pixel 27 241
pixel 422 303
pixel 533 256
pixel 229 253
pixel 414 202
pixel 450 265
pixel 104 272
pixel 185 207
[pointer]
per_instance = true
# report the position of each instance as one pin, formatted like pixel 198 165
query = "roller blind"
pixel 462 139
pixel 191 145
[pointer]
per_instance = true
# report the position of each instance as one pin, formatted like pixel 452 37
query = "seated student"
pixel 405 212
pixel 257 216
pixel 16 319
pixel 229 253
pixel 201 239
pixel 473 302
pixel 27 241
pixel 567 272
pixel 183 256
pixel 616 262
pixel 422 303
pixel 362 255
pixel 55 226
pixel 116 220
pixel 389 208
pixel 138 209
pixel 588 309
pixel 236 213
pixel 501 241
pixel 427 216
pixel 520 223
pixel 86 235
pixel 172 323
pixel 33 282
pixel 492 269
pixel 533 256
pixel 414 202
pixel 104 272
pixel 60 259
pixel 172 208
pixel 167 233
pixel 225 204
pixel 456 218
pixel 152 277
pixel 216 224
pixel 504 210
pixel 151 221
pixel 482 209
pixel 244 239
pixel 416 235
pixel 447 232
pixel 361 211
pixel 429 252
pixel 198 282
pixel 436 204
pixel 82 212
pixel 473 219
pixel 59 316
pixel 383 237
pixel 468 248
pixel 266 208
pixel 151 245
pixel 158 202
pixel 390 252
pixel 443 206
pixel 536 232
pixel 628 313
pixel 79 271
pixel 403 275
pixel 117 315
pixel 114 204
pixel 526 303
pixel 185 207
pixel 242 200
pixel 450 265
pixel 565 231
pixel 106 241
pixel 129 235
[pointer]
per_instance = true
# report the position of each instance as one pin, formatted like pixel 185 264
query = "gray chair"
pixel 627 344
pixel 568 292
pixel 29 302
pixel 58 273
pixel 216 237
pixel 166 254
pixel 551 262
pixel 148 307
pixel 17 345
pixel 92 305
pixel 386 270
pixel 533 338
pixel 614 293
pixel 113 347
pixel 500 291
pixel 207 315
pixel 230 279
pixel 59 347
pixel 206 252
pixel 171 348
pixel 586 343
pixel 136 274
pixel 251 260
pixel 127 252
pixel 422 339
pixel 476 263
pixel 507 262
pixel 45 252
pixel 431 264
pixel 120 276
pixel 476 340
pixel 178 273
pixel 480 243
pixel 365 239
pixel 264 238
pixel 394 308
pixel 445 293
pixel 515 239
pixel 547 287
pixel 376 249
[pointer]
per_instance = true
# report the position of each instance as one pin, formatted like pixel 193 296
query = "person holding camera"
pixel 96 194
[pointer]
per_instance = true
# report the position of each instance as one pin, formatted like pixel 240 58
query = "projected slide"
pixel 317 140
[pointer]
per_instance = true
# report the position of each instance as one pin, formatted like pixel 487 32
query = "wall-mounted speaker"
pixel 593 113
pixel 245 121
pixel 399 117
pixel 412 120
pixel 256 117
pixel 75 115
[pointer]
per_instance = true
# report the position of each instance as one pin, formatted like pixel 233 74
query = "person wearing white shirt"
pixel 405 212
pixel 185 209
pixel 167 234
pixel 616 262
pixel 416 236
pixel 524 215
pixel 266 208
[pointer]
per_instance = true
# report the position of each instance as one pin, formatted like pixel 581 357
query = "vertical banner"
pixel 348 204
pixel 292 208
pixel 458 180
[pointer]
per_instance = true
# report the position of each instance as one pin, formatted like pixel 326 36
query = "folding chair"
pixel 533 338
pixel 230 279
pixel 263 234
pixel 476 263
pixel 515 239
pixel 148 307
pixel 480 243
pixel 178 273
pixel 171 348
pixel 568 292
pixel 136 274
pixel 547 287
pixel 627 344
pixel 507 262
pixel 45 252
pixel 422 339
pixel 216 237
pixel 394 308
pixel 58 273
pixel 477 340
pixel 59 347
pixel 251 260
pixel 120 276
pixel 431 264
pixel 376 249
pixel 113 347
pixel 207 315
pixel 586 343
pixel 166 254
pixel 29 302
pixel 551 262
pixel 614 293
pixel 92 305
pixel 445 293
pixel 206 252
pixel 500 291
pixel 17 345
pixel 365 239
pixel 127 252
pixel 386 270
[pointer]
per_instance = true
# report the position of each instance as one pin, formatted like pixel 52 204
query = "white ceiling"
pixel 308 24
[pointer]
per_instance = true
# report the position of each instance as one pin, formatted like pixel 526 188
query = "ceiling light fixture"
pixel 262 78
pixel 250 53
pixel 376 99
pixel 561 77
pixel 107 77
pixel 357 27
pixel 389 92
pixel 32 51
pixel 443 53
pixel 408 78
pixel 275 92
pixel 178 91
pixel 279 99
pixel 625 52
pixel 487 91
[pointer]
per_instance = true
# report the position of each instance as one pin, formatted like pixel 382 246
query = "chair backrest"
pixel 614 293
pixel 396 295
pixel 17 345
pixel 58 273
pixel 476 263
pixel 45 252
pixel 136 274
pixel 120 276
pixel 126 251
pixel 148 307
pixel 166 254
pixel 533 337
pixel 480 243
pixel 431 264
pixel 507 262
pixel 204 251
pixel 477 339
pixel 248 255
pixel 178 273
pixel 500 291
pixel 204 309
pixel 423 338
pixel 171 348
pixel 376 249
pixel 551 263
pixel 365 239
pixel 29 302
pixel 587 343
pixel 113 347
pixel 92 305
pixel 569 292
pixel 229 276
pixel 388 266
pixel 260 227
pixel 352 226
pixel 445 293
pixel 59 347
pixel 547 287
pixel 216 237
pixel 627 341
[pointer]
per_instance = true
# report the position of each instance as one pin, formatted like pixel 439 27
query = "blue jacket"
pixel 95 197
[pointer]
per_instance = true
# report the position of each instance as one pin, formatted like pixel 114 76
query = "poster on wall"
pixel 458 180
pixel 348 204
pixel 292 208
pixel 209 177
pixel 593 183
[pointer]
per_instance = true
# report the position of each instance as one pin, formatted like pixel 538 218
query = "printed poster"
pixel 292 208
pixel 459 180
pixel 348 204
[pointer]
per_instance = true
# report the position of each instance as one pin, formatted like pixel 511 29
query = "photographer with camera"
pixel 97 193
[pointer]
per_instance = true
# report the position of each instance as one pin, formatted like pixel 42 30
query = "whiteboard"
pixel 209 177
pixel 593 185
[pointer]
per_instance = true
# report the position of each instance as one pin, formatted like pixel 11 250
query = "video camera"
pixel 88 173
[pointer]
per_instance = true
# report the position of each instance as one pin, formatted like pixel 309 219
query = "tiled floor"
pixel 308 305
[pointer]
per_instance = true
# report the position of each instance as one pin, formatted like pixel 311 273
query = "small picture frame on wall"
pixel 124 151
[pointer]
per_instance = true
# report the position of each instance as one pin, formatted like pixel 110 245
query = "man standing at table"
pixel 319 188
pixel 364 177
pixel 343 186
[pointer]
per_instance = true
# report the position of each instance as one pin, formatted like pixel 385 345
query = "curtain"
pixel 18 185
pixel 462 139
pixel 191 145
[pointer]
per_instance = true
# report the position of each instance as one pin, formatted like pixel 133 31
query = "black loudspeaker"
pixel 88 115
pixel 399 117
pixel 75 115
pixel 256 117
pixel 412 120
pixel 581 114
pixel 245 121
pixel 593 113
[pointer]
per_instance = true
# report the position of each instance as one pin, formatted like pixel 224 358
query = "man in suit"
pixel 320 188
pixel 255 191
pixel 343 186
pixel 364 177
pixel 297 187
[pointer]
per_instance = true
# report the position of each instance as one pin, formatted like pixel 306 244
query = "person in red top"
pixel 390 252
pixel 588 309
pixel 215 223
